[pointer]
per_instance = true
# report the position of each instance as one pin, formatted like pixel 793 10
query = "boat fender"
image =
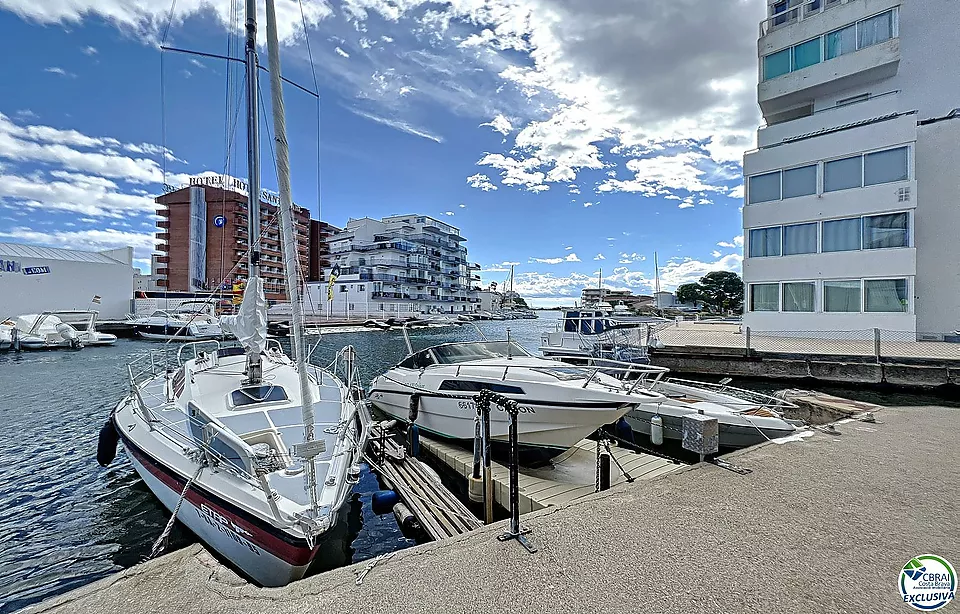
pixel 107 444
pixel 66 331
pixel 405 518
pixel 414 408
pixel 383 501
pixel 624 431
pixel 656 430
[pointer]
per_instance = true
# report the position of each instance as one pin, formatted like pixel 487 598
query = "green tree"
pixel 518 301
pixel 689 294
pixel 722 290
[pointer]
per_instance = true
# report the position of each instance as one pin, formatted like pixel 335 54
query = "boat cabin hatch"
pixel 257 394
pixel 453 353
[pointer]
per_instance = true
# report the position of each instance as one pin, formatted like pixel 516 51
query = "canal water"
pixel 67 522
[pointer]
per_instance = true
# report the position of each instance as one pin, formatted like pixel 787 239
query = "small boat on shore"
pixel 53 330
pixel 190 321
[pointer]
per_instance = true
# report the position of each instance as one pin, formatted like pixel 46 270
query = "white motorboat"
pixel 190 321
pixel 6 334
pixel 745 417
pixel 253 451
pixel 54 330
pixel 560 404
pixel 593 333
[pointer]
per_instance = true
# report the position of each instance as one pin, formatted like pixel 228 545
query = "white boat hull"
pixel 183 338
pixel 550 425
pixel 217 528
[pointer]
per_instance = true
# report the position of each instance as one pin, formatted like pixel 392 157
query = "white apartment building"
pixel 852 209
pixel 398 267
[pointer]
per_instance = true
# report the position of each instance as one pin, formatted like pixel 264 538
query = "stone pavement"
pixel 821 525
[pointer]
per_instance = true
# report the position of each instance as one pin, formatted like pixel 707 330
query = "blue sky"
pixel 559 135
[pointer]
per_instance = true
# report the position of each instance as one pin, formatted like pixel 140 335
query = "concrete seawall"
pixel 835 369
pixel 820 525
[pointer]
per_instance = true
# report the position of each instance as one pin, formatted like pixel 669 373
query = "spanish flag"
pixel 334 274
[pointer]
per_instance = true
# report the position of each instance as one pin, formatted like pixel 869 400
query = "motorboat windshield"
pixel 454 353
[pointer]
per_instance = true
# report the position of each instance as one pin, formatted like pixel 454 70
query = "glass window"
pixel 798 296
pixel 841 235
pixel 257 394
pixel 842 41
pixel 765 242
pixel 842 174
pixel 764 188
pixel 776 64
pixel 764 297
pixel 800 181
pixel 885 295
pixel 806 54
pixel 841 296
pixel 875 30
pixel 885 166
pixel 880 231
pixel 800 239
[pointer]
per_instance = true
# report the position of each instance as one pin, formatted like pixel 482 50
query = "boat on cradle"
pixel 745 417
pixel 254 451
pixel 53 330
pixel 190 321
pixel 435 388
pixel 582 335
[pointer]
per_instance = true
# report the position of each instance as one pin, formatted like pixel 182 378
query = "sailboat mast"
pixel 253 144
pixel 656 277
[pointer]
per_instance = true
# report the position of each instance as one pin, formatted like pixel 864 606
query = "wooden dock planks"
pixel 570 477
pixel 440 513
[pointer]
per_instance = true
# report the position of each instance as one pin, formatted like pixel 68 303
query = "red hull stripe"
pixel 256 532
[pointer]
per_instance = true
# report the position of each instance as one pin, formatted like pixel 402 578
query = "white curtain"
pixel 841 235
pixel 799 239
pixel 798 297
pixel 841 296
pixel 886 295
pixel 875 30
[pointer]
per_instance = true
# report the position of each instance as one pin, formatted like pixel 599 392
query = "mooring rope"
pixel 161 543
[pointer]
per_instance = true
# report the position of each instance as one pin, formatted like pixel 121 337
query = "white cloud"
pixel 626 258
pixel 341 52
pixel 398 124
pixel 147 18
pixel 688 270
pixel 463 206
pixel 87 240
pixel 89 50
pixel 500 124
pixel 588 204
pixel 448 213
pixel 557 260
pixel 56 70
pixel 599 257
pixel 663 175
pixel 686 203
pixel 715 253
pixel 480 181
pixel 573 188
pixel 516 172
pixel 75 172
pixel 568 248
pixel 736 242
pixel 736 192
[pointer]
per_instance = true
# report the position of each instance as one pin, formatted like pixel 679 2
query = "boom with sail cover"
pixel 250 323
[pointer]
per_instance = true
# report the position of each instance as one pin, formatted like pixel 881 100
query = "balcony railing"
pixel 797 13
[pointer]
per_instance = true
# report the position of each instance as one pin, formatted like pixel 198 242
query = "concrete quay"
pixel 823 524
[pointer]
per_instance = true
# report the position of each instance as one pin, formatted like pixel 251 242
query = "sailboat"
pixel 254 451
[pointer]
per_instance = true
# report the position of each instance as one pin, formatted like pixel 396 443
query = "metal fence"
pixel 873 343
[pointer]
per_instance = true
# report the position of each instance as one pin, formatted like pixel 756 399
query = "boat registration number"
pixel 226 526
pixel 472 406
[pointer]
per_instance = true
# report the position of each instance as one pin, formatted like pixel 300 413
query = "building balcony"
pixel 163 271
pixel 163 212
pixel 163 236
pixel 824 46
pixel 474 266
pixel 163 247
pixel 164 224
pixel 877 106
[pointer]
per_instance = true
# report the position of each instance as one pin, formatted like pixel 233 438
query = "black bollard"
pixel 483 406
pixel 515 532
